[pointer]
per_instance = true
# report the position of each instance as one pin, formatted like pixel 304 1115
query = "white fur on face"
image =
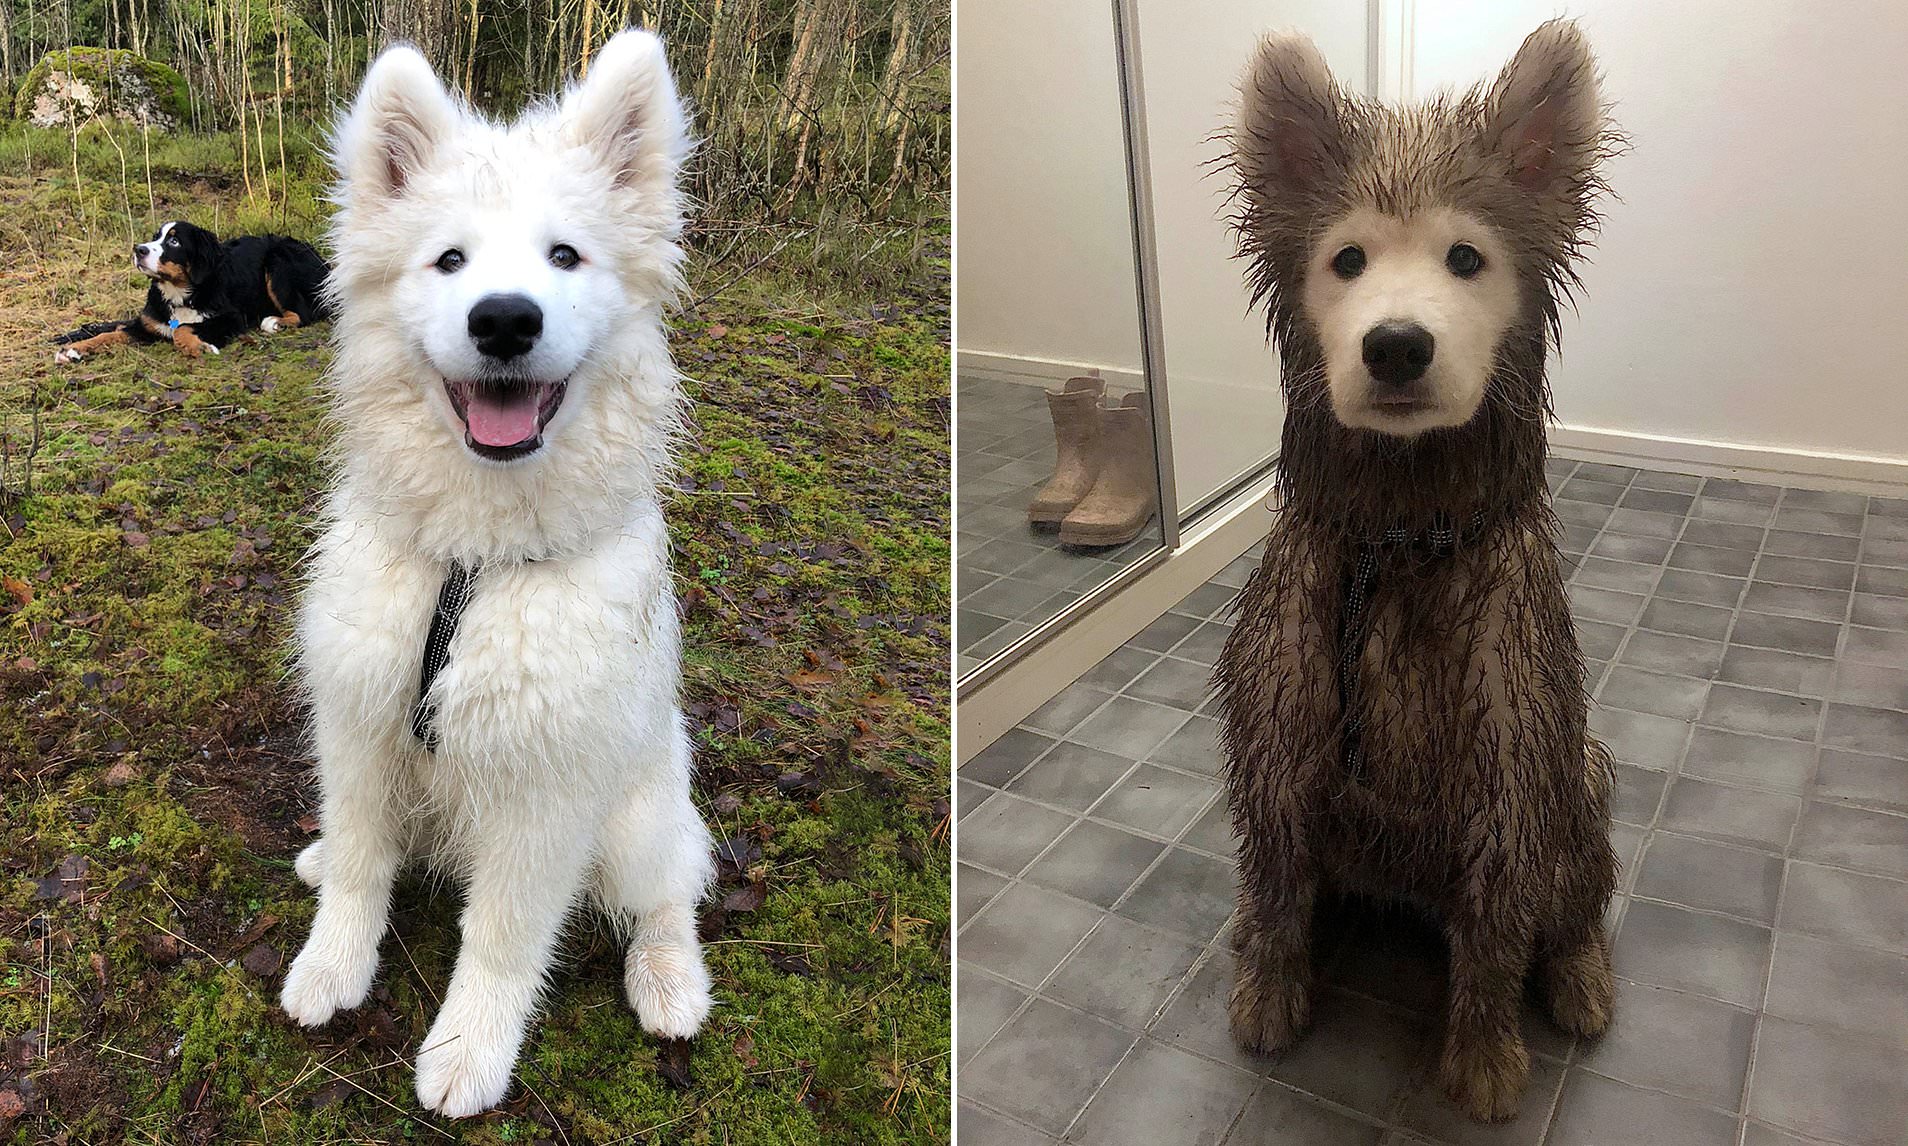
pixel 146 255
pixel 424 176
pixel 1406 280
pixel 506 248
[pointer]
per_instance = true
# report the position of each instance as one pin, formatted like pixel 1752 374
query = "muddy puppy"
pixel 1403 691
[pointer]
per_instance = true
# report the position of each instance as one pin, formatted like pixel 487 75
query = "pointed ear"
pixel 401 116
pixel 626 112
pixel 1544 118
pixel 1291 130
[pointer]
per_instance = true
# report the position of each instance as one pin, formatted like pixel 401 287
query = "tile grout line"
pixel 1788 853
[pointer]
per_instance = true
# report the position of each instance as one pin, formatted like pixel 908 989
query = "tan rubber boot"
pixel 1125 497
pixel 1076 436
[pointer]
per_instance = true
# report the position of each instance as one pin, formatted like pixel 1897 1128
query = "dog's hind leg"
pixel 1574 967
pixel 310 864
pixel 526 872
pixel 362 848
pixel 1271 1001
pixel 1578 983
pixel 288 316
pixel 654 866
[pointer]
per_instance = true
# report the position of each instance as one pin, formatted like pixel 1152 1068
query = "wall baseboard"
pixel 1044 372
pixel 1774 464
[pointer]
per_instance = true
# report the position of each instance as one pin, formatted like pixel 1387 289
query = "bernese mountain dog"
pixel 206 293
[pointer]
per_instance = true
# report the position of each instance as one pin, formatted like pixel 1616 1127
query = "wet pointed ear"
pixel 1544 117
pixel 1291 130
pixel 401 116
pixel 627 112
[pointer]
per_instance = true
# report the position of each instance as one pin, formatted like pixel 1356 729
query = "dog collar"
pixel 452 597
pixel 172 324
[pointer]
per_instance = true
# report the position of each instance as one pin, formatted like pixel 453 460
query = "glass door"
pixel 1058 464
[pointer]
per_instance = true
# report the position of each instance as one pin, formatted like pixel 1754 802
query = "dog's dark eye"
pixel 450 261
pixel 564 257
pixel 171 242
pixel 1464 260
pixel 1349 263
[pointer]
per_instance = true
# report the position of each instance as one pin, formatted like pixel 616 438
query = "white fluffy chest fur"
pixel 561 665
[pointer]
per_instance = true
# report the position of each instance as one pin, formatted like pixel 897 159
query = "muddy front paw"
pixel 67 355
pixel 1269 1012
pixel 1485 1077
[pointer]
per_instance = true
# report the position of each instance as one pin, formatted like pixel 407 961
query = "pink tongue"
pixel 495 421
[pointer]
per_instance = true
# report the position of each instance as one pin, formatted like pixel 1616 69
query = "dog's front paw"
pixel 269 324
pixel 668 988
pixel 319 985
pixel 1268 1014
pixel 464 1068
pixel 67 354
pixel 212 350
pixel 1485 1077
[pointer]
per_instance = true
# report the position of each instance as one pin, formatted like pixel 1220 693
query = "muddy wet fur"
pixel 1478 793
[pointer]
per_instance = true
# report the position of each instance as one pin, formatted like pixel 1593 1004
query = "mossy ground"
pixel 155 790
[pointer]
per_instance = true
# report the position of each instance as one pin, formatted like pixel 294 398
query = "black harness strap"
pixel 451 599
pixel 1354 620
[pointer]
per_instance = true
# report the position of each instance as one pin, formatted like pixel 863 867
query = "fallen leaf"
pixel 255 932
pixel 738 852
pixel 12 1105
pixel 728 803
pixel 120 774
pixel 19 590
pixel 672 1062
pixel 263 960
pixel 137 540
pixel 67 881
pixel 307 823
pixel 329 1095
pixel 745 1050
pixel 748 897
pixel 161 949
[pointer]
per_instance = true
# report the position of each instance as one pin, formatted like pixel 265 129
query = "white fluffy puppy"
pixel 505 404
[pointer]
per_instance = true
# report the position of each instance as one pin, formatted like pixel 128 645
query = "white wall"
pixel 1043 238
pixel 1752 286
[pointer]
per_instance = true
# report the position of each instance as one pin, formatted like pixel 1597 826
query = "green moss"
pixel 104 69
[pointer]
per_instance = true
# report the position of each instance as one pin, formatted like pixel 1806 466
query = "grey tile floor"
pixel 1749 649
pixel 1011 577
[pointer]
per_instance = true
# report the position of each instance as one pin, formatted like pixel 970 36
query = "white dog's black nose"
pixel 505 325
pixel 1398 352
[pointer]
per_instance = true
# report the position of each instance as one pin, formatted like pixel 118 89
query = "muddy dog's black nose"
pixel 1398 352
pixel 505 325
